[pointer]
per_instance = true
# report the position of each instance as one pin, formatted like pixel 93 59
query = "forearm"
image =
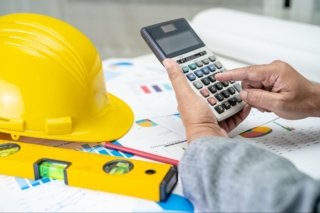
pixel 220 174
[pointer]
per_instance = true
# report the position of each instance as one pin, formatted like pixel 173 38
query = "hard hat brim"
pixel 114 124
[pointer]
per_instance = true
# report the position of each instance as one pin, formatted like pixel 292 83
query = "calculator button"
pixel 218 65
pixel 198 73
pixel 185 69
pixel 233 101
pixel 205 70
pixel 219 109
pixel 232 82
pixel 199 64
pixel 205 81
pixel 205 92
pixel 191 76
pixel 212 68
pixel 218 86
pixel 219 97
pixel 238 98
pixel 231 90
pixel 203 53
pixel 212 101
pixel 225 84
pixel 197 84
pixel 222 70
pixel 212 78
pixel 192 66
pixel 212 58
pixel 237 87
pixel 225 93
pixel 226 105
pixel 205 61
pixel 212 89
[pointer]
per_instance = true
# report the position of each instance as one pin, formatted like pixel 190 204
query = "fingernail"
pixel 167 63
pixel 243 94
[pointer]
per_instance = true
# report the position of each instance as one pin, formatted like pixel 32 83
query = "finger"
pixel 260 98
pixel 246 84
pixel 251 73
pixel 177 78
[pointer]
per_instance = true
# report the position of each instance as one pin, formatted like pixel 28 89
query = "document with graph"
pixel 296 140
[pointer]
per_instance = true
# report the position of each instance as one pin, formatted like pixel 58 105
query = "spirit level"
pixel 130 177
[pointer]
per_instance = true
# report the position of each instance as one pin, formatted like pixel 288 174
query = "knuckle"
pixel 281 64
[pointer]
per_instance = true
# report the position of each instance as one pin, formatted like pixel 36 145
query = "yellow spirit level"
pixel 130 177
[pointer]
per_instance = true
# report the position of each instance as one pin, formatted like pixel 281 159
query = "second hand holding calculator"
pixel 177 40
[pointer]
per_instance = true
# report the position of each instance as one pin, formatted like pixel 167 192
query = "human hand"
pixel 278 88
pixel 196 115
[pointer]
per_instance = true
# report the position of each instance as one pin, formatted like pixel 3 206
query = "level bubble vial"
pixel 8 149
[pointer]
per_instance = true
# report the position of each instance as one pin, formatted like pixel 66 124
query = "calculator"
pixel 177 40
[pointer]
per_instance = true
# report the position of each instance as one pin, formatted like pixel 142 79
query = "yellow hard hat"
pixel 52 84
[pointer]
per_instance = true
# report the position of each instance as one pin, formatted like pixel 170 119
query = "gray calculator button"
pixel 199 64
pixel 218 65
pixel 205 61
pixel 212 89
pixel 212 58
pixel 219 97
pixel 218 86
pixel 212 78
pixel 197 84
pixel 222 70
pixel 231 90
pixel 233 101
pixel 226 105
pixel 205 81
pixel 225 93
pixel 225 84
pixel 237 87
pixel 219 109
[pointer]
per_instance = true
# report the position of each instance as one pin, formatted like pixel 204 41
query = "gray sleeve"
pixel 229 175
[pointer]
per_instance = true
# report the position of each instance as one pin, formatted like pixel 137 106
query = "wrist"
pixel 316 108
pixel 205 131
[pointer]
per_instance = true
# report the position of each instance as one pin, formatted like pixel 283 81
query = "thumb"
pixel 177 78
pixel 260 98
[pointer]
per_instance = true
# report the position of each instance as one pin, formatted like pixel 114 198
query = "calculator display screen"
pixel 177 42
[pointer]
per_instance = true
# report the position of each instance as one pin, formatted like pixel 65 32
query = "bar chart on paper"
pixel 26 183
pixel 104 151
pixel 156 88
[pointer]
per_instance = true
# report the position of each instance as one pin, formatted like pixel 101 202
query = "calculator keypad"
pixel 221 96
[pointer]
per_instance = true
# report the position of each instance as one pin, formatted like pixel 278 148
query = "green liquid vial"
pixel 52 170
